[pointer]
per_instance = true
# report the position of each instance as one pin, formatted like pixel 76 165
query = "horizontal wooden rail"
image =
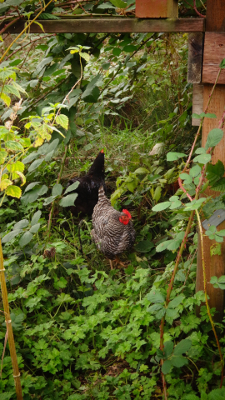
pixel 109 24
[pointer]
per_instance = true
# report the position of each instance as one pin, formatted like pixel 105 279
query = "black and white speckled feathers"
pixel 111 236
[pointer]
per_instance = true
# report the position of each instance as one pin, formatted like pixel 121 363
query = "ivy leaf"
pixel 62 120
pixel 214 137
pixel 69 200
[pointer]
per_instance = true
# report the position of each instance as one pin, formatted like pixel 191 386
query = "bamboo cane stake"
pixel 12 348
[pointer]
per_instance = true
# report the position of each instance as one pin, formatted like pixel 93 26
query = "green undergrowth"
pixel 82 330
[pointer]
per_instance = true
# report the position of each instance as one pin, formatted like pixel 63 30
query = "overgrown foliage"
pixel 81 330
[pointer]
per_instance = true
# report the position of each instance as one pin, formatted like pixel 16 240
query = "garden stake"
pixel 12 348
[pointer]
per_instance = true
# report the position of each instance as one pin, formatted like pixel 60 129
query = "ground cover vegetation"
pixel 81 330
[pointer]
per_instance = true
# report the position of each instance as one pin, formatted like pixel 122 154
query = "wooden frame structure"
pixel 206 50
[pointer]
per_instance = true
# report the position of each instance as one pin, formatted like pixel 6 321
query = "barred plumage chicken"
pixel 113 231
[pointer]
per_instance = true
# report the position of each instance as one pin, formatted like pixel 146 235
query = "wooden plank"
pixel 104 25
pixel 156 9
pixel 215 265
pixel 195 55
pixel 214 53
pixel 197 103
pixel 215 16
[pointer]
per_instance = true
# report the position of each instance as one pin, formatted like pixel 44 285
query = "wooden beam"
pixel 195 54
pixel 104 25
pixel 215 265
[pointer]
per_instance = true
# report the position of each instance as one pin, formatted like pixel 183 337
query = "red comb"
pixel 102 151
pixel 127 213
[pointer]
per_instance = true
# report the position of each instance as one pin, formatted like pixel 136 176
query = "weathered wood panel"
pixel 214 53
pixel 156 9
pixel 215 17
pixel 195 55
pixel 197 103
pixel 215 265
pixel 105 25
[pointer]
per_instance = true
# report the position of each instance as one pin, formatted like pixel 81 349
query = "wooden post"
pixel 215 265
pixel 156 8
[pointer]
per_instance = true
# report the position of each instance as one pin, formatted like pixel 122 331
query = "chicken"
pixel 88 187
pixel 113 231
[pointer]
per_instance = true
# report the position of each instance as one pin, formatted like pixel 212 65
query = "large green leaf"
pixel 173 156
pixel 57 190
pixel 215 172
pixel 202 158
pixel 36 218
pixel 33 195
pixel 35 164
pixel 25 239
pixel 182 347
pixel 11 235
pixel 92 92
pixel 13 145
pixel 69 200
pixel 214 137
pixel 217 394
pixel 161 206
pixel 144 246
pixel 166 368
pixel 21 224
pixel 72 187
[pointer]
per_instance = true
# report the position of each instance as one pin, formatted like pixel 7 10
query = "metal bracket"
pixel 216 219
